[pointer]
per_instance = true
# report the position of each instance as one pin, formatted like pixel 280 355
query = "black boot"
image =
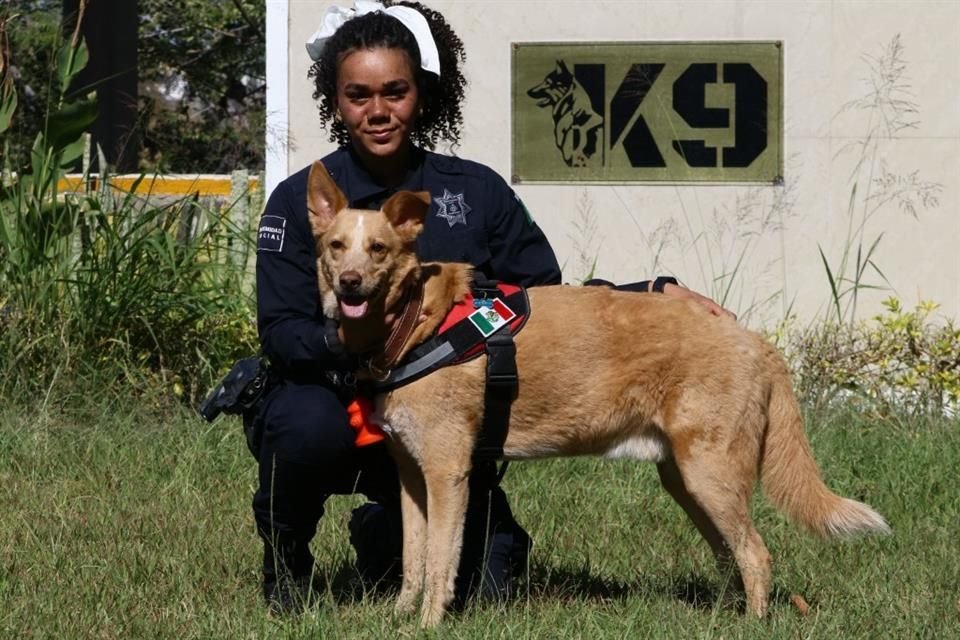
pixel 376 528
pixel 495 546
pixel 376 533
pixel 288 578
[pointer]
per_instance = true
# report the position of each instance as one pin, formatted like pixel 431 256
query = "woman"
pixel 389 86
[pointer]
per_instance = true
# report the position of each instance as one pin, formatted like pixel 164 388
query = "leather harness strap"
pixel 402 330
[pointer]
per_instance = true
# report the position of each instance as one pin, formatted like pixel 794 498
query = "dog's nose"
pixel 350 280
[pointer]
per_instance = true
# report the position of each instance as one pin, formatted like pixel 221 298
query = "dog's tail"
pixel 790 477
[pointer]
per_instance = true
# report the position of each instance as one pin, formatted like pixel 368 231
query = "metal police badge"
pixel 452 208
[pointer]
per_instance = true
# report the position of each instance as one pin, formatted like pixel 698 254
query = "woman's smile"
pixel 378 102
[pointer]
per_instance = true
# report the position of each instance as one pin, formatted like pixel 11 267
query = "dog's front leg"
pixel 413 505
pixel 447 494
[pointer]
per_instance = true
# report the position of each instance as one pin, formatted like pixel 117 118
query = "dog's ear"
pixel 324 199
pixel 562 67
pixel 406 211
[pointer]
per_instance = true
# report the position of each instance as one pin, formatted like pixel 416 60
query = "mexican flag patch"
pixel 492 315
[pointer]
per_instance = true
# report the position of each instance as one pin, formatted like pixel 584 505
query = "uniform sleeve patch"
pixel 271 233
pixel 523 208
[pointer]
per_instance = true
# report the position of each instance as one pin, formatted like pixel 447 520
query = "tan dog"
pixel 601 372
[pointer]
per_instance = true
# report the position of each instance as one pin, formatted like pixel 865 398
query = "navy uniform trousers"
pixel 307 454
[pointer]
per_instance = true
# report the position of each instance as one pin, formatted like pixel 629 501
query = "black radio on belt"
pixel 239 390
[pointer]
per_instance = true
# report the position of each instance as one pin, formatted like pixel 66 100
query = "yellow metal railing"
pixel 160 185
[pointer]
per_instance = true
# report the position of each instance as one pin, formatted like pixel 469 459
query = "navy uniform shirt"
pixel 475 217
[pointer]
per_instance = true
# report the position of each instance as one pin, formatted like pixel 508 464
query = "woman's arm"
pixel 289 316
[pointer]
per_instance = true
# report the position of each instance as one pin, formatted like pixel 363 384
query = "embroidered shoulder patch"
pixel 271 233
pixel 490 316
pixel 526 211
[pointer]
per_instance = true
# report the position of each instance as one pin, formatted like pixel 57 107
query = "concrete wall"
pixel 853 175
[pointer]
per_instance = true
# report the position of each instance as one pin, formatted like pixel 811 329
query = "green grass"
pixel 136 524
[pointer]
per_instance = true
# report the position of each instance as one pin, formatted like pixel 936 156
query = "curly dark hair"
pixel 440 98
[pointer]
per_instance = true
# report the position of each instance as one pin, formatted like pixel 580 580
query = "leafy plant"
pixel 35 223
pixel 31 33
pixel 584 239
pixel 887 110
pixel 201 82
pixel 202 85
pixel 8 95
pixel 899 361
pixel 113 288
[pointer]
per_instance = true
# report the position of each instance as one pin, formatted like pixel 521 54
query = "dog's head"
pixel 365 259
pixel 555 85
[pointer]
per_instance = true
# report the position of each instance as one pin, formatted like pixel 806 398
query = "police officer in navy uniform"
pixel 307 451
pixel 387 103
pixel 389 87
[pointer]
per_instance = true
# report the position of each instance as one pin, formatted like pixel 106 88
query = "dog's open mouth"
pixel 540 96
pixel 353 307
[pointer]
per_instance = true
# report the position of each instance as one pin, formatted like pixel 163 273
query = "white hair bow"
pixel 412 19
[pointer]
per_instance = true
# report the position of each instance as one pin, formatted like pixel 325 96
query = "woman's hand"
pixel 676 291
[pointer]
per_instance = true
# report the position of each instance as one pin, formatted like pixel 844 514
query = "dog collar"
pixel 381 365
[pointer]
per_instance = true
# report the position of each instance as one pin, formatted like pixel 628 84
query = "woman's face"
pixel 377 100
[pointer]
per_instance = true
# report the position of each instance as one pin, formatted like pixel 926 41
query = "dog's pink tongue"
pixel 354 311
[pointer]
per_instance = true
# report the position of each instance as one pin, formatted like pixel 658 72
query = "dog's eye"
pixel 336 245
pixel 378 247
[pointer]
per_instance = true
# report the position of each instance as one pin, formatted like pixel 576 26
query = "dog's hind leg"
pixel 413 505
pixel 672 481
pixel 721 488
pixel 447 494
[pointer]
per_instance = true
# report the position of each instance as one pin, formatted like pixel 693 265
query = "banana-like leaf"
pixel 68 124
pixel 71 61
pixel 8 104
pixel 8 94
pixel 71 152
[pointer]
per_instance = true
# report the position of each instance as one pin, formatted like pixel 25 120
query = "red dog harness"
pixel 466 332
pixel 484 322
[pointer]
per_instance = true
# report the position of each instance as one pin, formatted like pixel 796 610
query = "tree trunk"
pixel 110 29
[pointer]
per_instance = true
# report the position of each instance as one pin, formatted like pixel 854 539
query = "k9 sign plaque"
pixel 648 112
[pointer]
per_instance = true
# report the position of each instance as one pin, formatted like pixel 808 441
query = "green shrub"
pixel 116 293
pixel 898 361
pixel 121 295
pixel 112 292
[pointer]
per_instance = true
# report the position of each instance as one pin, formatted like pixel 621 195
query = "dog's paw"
pixel 331 308
pixel 430 617
pixel 406 603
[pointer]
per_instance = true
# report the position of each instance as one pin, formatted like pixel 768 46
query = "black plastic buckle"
pixel 502 359
pixel 484 288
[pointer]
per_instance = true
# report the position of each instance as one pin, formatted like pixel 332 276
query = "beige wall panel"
pixel 759 244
